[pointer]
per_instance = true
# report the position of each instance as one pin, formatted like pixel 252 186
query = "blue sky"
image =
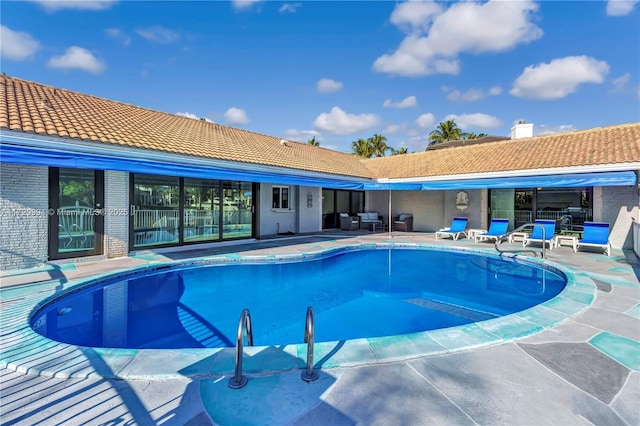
pixel 340 71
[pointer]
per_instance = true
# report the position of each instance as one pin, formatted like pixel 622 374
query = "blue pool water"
pixel 363 293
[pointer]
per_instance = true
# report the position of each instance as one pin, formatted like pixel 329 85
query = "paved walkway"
pixel 584 371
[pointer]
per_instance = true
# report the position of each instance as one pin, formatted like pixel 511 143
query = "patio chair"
pixel 404 222
pixel 458 227
pixel 349 223
pixel 596 234
pixel 497 228
pixel 537 234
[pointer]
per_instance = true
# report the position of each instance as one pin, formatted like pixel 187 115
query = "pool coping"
pixel 25 351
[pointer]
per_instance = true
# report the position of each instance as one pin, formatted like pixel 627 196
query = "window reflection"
pixel 76 214
pixel 156 216
pixel 201 210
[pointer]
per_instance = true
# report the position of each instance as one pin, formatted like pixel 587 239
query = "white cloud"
pixel 118 34
pixel 55 5
pixel 16 45
pixel 415 15
pixel 426 120
pixel 289 7
pixel 558 78
pixel 471 95
pixel 408 102
pixel 301 135
pixel 236 116
pixel 473 121
pixel 395 129
pixel 159 34
pixel 338 122
pixel 77 58
pixel 326 85
pixel 545 129
pixel 620 7
pixel 436 39
pixel 193 116
pixel 244 5
pixel 620 84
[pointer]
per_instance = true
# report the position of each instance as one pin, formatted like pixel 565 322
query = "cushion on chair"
pixel 402 217
pixel 344 214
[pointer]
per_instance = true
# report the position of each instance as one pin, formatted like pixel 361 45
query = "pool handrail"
pixel 238 380
pixel 309 375
pixel 507 237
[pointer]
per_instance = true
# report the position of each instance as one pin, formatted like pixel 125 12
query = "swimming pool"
pixel 355 294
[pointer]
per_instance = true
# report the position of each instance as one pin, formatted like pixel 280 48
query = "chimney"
pixel 522 130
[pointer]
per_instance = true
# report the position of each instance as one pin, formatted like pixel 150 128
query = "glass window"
pixel 237 220
pixel 342 202
pixel 156 217
pixel 77 198
pixel 357 202
pixel 280 199
pixel 201 210
pixel 569 207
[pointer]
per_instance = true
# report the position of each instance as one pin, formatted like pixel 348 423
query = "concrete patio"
pixel 585 370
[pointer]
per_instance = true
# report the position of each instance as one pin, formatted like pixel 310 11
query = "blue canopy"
pixel 56 158
pixel 19 154
pixel 622 178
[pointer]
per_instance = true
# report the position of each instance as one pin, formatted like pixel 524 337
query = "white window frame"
pixel 278 201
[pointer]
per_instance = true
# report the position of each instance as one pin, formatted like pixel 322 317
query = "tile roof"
pixel 45 110
pixel 593 147
pixel 463 142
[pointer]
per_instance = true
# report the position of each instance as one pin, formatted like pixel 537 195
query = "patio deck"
pixel 585 370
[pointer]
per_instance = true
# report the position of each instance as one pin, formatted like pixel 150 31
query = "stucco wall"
pixel 475 212
pixel 273 221
pixel 116 219
pixel 309 210
pixel 426 207
pixel 617 205
pixel 24 219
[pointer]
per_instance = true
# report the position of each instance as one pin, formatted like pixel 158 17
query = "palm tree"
pixel 378 145
pixel 472 135
pixel 400 151
pixel 446 131
pixel 313 142
pixel 362 148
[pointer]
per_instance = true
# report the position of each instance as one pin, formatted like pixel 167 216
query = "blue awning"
pixel 397 186
pixel 19 154
pixel 622 178
pixel 56 158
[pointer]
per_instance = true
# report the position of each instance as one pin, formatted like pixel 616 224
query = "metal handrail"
pixel 507 236
pixel 309 375
pixel 238 380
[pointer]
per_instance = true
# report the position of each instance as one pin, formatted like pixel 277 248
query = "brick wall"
pixel 116 219
pixel 24 222
pixel 617 206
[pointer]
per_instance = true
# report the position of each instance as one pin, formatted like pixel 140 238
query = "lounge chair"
pixel 596 234
pixel 537 234
pixel 497 228
pixel 349 223
pixel 458 227
pixel 404 222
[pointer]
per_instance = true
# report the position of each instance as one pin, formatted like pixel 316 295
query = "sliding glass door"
pixel 569 207
pixel 171 211
pixel 335 201
pixel 76 206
